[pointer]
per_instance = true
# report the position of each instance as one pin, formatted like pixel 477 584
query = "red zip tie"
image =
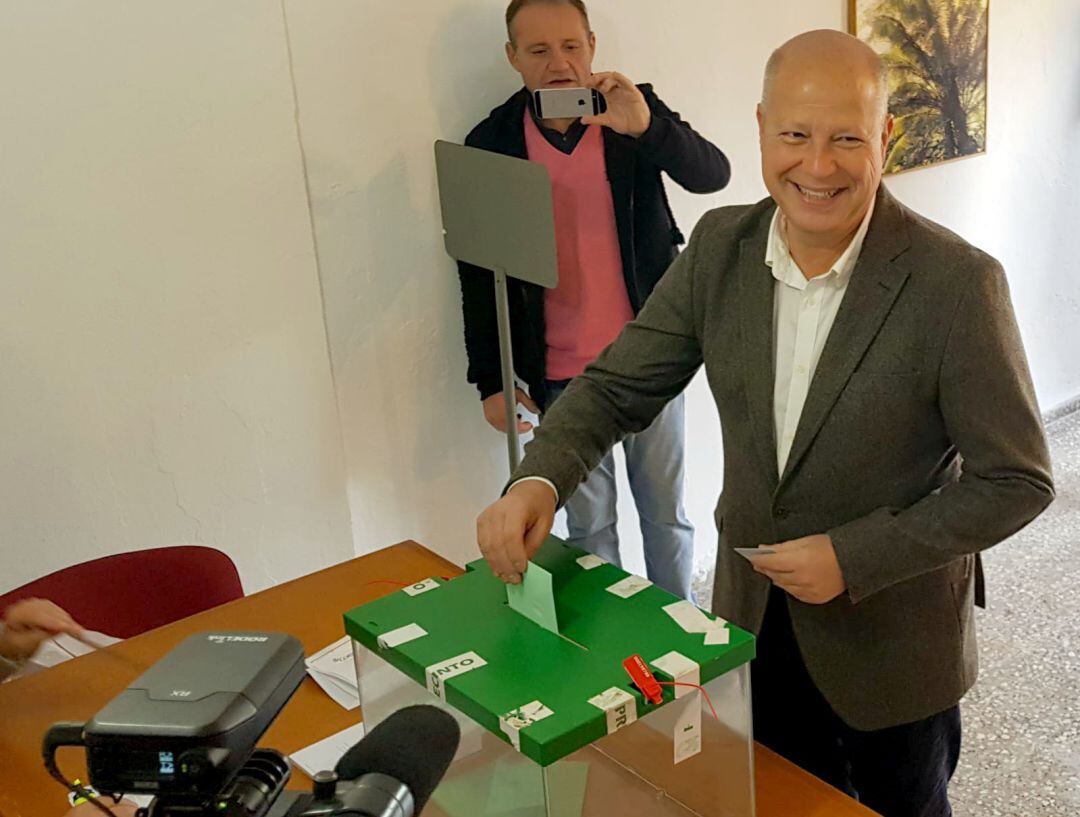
pixel 643 678
pixel 700 689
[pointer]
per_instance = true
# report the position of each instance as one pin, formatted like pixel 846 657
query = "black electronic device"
pixel 189 722
pixel 186 729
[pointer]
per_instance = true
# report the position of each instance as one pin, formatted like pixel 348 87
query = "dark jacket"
pixel 919 446
pixel 648 236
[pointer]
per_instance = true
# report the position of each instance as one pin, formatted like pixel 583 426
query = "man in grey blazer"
pixel 880 431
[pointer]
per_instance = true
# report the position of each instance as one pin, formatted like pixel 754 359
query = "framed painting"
pixel 936 51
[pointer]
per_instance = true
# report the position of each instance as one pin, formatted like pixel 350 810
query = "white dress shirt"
pixel 803 314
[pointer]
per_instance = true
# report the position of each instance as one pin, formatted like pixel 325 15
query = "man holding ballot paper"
pixel 880 430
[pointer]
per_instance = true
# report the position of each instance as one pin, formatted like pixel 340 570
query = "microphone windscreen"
pixel 414 745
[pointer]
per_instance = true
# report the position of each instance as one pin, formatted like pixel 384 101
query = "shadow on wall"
pixel 402 317
pixel 467 89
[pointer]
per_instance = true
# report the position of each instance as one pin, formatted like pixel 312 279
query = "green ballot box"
pixel 552 723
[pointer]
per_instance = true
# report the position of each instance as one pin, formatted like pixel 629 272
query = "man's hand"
pixel 29 622
pixel 495 411
pixel 806 568
pixel 627 112
pixel 511 530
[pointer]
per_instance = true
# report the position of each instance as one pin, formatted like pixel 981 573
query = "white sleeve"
pixel 544 480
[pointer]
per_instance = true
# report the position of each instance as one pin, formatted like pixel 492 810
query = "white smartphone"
pixel 568 103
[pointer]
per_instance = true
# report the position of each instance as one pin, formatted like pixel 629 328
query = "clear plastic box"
pixel 630 772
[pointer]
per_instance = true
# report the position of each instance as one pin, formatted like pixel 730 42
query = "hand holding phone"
pixel 627 111
pixel 568 103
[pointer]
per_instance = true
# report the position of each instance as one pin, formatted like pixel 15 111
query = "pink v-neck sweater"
pixel 590 306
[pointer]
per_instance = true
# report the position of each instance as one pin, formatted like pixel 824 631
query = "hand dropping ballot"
pixel 534 598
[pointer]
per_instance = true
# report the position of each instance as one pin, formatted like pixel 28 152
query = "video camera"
pixel 185 732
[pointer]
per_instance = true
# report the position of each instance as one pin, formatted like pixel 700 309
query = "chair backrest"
pixel 129 593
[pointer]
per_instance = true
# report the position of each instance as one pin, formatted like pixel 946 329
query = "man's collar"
pixel 786 270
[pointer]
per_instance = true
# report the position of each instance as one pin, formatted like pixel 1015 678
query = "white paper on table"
pixel 332 668
pixel 63 647
pixel 325 754
pixel 344 696
pixel 335 659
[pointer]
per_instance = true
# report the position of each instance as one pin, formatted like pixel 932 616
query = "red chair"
pixel 129 593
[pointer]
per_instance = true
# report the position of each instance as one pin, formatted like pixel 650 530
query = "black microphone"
pixel 398 764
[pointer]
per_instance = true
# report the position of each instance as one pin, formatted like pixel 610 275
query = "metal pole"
pixel 506 358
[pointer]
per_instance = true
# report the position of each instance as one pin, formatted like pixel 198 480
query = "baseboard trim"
pixel 1062 410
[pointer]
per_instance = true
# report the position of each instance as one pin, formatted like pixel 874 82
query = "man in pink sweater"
pixel 615 237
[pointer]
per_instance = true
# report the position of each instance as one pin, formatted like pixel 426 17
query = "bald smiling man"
pixel 880 431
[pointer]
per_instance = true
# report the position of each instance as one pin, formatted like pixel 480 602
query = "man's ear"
pixel 511 56
pixel 760 113
pixel 886 133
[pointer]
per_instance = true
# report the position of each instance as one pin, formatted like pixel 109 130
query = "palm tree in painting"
pixel 936 52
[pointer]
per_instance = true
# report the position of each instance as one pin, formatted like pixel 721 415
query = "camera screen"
pixel 140 768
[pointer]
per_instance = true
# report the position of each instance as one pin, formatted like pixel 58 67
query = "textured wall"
pixel 162 349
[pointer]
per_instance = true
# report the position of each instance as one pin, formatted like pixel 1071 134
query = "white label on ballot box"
pixel 517 719
pixel 421 587
pixel 687 735
pixel 439 674
pixel 589 561
pixel 629 586
pixel 402 635
pixel 619 705
pixel 682 671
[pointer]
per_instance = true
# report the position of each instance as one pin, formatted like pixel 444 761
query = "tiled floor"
pixel 1021 754
pixel 1022 721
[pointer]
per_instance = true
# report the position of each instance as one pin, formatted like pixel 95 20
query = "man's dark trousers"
pixel 901 771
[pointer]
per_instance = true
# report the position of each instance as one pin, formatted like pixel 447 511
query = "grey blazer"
pixel 920 443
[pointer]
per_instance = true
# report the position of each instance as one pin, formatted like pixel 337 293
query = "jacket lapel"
pixel 512 134
pixel 756 293
pixel 619 161
pixel 875 283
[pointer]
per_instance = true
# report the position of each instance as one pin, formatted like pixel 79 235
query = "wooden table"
pixel 310 608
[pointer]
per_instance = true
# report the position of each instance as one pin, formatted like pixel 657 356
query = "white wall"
pixel 378 83
pixel 1021 201
pixel 162 349
pixel 161 337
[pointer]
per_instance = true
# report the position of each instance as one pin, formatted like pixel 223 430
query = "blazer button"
pixel 780 512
